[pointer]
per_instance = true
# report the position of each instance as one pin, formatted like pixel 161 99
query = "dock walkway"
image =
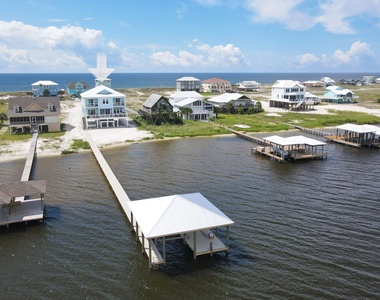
pixel 30 158
pixel 121 195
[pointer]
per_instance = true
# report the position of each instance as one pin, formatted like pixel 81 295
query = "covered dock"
pixel 356 135
pixel 291 148
pixel 22 201
pixel 190 217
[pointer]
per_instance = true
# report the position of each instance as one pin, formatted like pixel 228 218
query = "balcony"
pixel 119 115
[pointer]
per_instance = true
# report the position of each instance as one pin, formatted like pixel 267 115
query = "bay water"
pixel 303 230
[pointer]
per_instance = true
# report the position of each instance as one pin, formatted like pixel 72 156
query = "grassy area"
pixel 263 123
pixel 188 129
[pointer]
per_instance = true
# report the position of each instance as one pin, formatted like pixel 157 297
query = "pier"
pixel 15 197
pixel 190 217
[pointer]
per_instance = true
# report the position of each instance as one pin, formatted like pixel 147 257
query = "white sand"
pixel 71 112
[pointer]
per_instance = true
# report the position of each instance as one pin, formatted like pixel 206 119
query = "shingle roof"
pixel 21 188
pixel 215 80
pixel 152 100
pixel 34 105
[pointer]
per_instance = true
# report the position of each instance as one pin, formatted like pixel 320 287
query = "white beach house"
pixel 289 94
pixel 103 107
pixel 236 99
pixel 248 86
pixel 188 84
pixel 201 110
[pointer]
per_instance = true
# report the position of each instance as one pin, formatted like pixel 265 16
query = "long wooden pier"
pixel 153 254
pixel 30 158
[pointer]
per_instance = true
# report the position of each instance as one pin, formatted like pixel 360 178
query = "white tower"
pixel 101 72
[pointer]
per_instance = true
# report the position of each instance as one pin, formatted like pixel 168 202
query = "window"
pixel 105 101
pixel 16 108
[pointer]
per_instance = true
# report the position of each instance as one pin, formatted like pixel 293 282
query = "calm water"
pixel 304 230
pixel 22 82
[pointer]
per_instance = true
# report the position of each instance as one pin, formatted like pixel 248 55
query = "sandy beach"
pixel 108 137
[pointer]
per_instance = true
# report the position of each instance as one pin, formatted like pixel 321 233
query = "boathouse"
pixel 291 148
pixel 190 217
pixel 18 204
pixel 356 135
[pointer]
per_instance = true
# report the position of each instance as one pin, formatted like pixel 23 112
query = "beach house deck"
pixel 356 135
pixel 291 148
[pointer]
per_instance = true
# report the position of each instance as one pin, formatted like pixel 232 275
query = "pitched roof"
pixel 227 97
pixel 215 80
pixel 287 84
pixel 44 82
pixel 101 91
pixel 293 140
pixel 187 79
pixel 73 84
pixel 366 128
pixel 21 188
pixel 176 214
pixel 184 102
pixel 153 99
pixel 179 95
pixel 32 105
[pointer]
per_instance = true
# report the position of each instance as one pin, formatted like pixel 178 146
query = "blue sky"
pixel 191 35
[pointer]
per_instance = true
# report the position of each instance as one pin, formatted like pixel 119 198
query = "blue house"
pixel 45 88
pixel 336 94
pixel 77 87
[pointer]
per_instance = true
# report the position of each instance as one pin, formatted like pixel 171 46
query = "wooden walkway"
pixel 153 254
pixel 30 158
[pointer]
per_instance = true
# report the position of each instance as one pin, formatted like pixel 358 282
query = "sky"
pixel 55 36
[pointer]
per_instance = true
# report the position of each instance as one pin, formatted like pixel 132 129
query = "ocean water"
pixel 22 82
pixel 303 230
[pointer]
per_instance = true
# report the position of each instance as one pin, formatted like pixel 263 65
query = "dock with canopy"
pixel 190 217
pixel 18 204
pixel 356 135
pixel 291 148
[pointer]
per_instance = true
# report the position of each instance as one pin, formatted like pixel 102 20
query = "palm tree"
pixel 216 111
pixel 186 111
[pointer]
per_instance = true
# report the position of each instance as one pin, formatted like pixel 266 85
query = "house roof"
pixel 327 80
pixel 13 189
pixel 153 99
pixel 179 95
pixel 33 105
pixel 366 128
pixel 287 84
pixel 184 102
pixel 227 97
pixel 101 91
pixel 175 214
pixel 44 82
pixel 337 90
pixel 293 140
pixel 215 80
pixel 73 84
pixel 187 79
pixel 248 83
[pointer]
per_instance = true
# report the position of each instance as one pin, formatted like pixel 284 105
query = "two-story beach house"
pixel 185 84
pixel 201 110
pixel 28 114
pixel 103 107
pixel 77 87
pixel 289 94
pixel 236 99
pixel 45 88
pixel 337 94
pixel 216 86
pixel 328 81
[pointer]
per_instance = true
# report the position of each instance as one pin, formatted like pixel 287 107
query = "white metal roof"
pixel 45 82
pixel 184 102
pixel 287 84
pixel 188 78
pixel 101 91
pixel 366 128
pixel 176 214
pixel 226 97
pixel 293 140
pixel 180 95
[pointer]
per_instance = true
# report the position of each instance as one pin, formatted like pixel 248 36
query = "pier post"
pixel 195 244
pixel 228 239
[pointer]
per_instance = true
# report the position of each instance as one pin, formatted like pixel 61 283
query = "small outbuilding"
pixel 190 217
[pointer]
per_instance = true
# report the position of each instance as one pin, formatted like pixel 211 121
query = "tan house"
pixel 28 114
pixel 216 86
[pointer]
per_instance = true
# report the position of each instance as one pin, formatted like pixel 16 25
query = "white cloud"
pixel 358 51
pixel 307 59
pixel 359 54
pixel 206 56
pixel 42 49
pixel 281 11
pixel 337 14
